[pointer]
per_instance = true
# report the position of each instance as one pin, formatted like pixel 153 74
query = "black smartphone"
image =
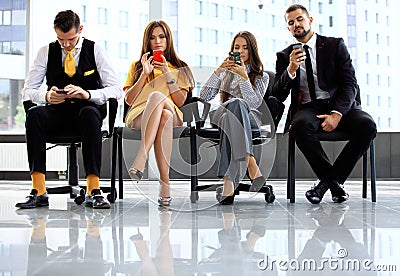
pixel 236 57
pixel 61 91
pixel 298 46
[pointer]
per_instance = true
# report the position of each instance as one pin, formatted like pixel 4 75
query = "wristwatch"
pixel 172 81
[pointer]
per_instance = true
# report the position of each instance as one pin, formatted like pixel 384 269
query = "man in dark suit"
pixel 324 100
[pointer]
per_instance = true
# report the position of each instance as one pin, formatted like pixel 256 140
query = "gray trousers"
pixel 235 126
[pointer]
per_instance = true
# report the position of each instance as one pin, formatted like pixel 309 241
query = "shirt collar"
pixel 312 42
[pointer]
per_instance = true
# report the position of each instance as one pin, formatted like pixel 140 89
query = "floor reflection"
pixel 136 237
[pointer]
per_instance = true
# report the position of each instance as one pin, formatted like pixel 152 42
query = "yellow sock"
pixel 38 183
pixel 92 182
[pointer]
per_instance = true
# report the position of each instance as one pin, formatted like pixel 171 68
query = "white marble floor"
pixel 136 237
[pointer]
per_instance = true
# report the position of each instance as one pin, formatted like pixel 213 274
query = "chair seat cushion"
pixel 135 134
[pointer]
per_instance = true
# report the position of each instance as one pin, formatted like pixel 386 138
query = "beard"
pixel 302 34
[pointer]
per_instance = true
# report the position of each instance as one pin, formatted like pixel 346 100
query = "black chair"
pixel 334 136
pixel 73 142
pixel 259 137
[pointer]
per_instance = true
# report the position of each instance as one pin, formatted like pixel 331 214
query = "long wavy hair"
pixel 169 52
pixel 256 66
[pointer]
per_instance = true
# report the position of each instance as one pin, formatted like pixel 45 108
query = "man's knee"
pixel 90 112
pixel 302 127
pixel 35 115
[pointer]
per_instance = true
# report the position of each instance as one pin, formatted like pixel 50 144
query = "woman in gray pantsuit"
pixel 241 82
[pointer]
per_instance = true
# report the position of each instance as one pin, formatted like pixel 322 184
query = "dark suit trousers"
pixel 305 125
pixel 64 119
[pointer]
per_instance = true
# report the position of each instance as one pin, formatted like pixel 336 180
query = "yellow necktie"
pixel 69 64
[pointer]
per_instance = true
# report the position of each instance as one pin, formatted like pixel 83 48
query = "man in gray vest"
pixel 80 80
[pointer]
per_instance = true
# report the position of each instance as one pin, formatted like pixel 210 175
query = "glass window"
pixel 199 7
pixel 18 48
pixel 18 17
pixel 215 36
pixel 230 13
pixel 83 16
pixel 246 15
pixel 214 9
pixel 6 17
pixel 123 19
pixel 330 21
pixel 123 50
pixel 104 44
pixel 6 47
pixel 199 34
pixel 102 16
pixel 144 19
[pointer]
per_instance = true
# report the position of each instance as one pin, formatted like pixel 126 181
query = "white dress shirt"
pixel 37 74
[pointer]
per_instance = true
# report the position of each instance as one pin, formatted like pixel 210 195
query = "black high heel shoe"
pixel 224 200
pixel 135 174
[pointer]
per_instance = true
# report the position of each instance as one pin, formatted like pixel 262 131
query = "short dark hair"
pixel 296 7
pixel 66 20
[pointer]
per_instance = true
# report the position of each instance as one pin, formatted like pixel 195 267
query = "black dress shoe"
pixel 339 195
pixel 317 192
pixel 96 200
pixel 34 201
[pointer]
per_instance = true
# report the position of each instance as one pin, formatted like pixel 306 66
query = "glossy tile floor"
pixel 136 237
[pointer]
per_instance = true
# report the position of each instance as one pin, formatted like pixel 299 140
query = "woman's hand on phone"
pixel 147 64
pixel 162 66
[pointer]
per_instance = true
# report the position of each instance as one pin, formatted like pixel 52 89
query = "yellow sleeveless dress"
pixel 158 84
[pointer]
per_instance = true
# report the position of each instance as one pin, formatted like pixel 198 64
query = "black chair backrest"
pixel 270 84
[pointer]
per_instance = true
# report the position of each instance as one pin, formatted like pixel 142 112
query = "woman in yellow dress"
pixel 155 90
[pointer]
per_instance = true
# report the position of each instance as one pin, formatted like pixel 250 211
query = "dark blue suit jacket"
pixel 335 72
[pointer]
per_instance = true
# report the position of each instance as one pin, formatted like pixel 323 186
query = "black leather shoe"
pixel 317 192
pixel 339 195
pixel 34 201
pixel 96 200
